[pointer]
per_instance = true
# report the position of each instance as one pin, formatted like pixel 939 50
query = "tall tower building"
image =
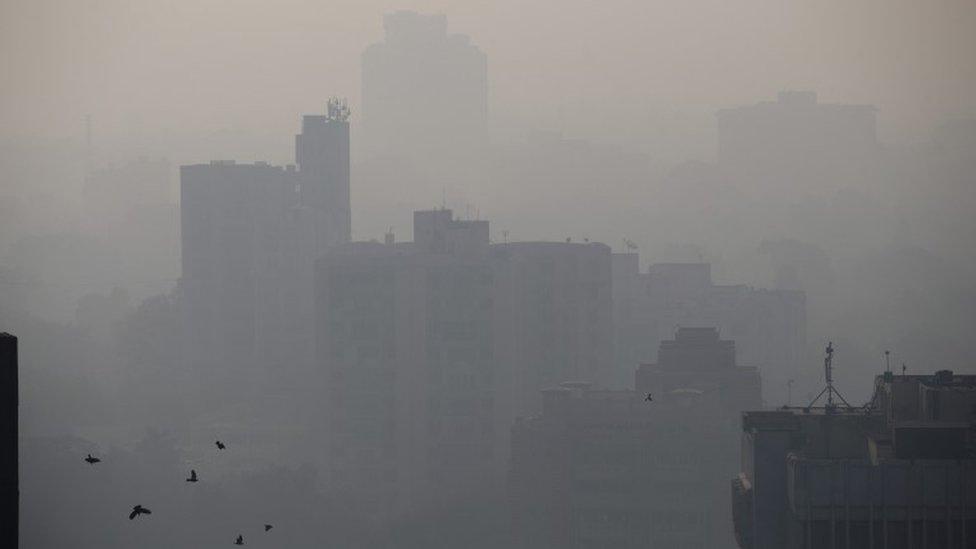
pixel 425 92
pixel 322 155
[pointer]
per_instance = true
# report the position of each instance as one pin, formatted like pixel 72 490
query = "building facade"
pixel 899 472
pixel 427 347
pixel 250 236
pixel 415 358
pixel 768 326
pixel 604 468
pixel 563 315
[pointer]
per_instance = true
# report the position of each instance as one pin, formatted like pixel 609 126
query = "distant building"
pixel 9 445
pixel 429 349
pixel 415 348
pixel 250 235
pixel 610 469
pixel 795 133
pixel 235 221
pixel 563 315
pixel 897 473
pixel 322 155
pixel 768 326
pixel 424 91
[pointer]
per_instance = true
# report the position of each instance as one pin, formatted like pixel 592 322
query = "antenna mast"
pixel 829 390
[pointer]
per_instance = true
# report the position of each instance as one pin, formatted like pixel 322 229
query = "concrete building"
pixel 322 156
pixel 563 316
pixel 430 349
pixel 424 91
pixel 250 237
pixel 234 219
pixel 796 133
pixel 9 442
pixel 768 326
pixel 610 469
pixel 899 472
pixel 415 350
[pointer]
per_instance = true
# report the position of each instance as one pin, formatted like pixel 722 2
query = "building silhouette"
pixel 414 349
pixel 795 135
pixel 563 315
pixel 895 473
pixel 424 91
pixel 9 447
pixel 322 156
pixel 768 326
pixel 602 468
pixel 429 349
pixel 250 237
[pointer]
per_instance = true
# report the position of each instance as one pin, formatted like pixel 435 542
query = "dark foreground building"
pixel 897 473
pixel 604 468
pixel 9 401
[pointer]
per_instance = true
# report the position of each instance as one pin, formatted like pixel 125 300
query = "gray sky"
pixel 615 69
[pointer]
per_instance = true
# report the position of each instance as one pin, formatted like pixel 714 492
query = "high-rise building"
pixel 322 155
pixel 897 473
pixel 430 348
pixel 424 91
pixel 414 346
pixel 235 218
pixel 9 445
pixel 251 234
pixel 604 468
pixel 563 316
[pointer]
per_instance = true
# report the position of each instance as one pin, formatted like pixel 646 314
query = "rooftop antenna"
pixel 505 235
pixel 443 198
pixel 829 390
pixel 629 244
pixel 887 361
pixel 903 368
pixel 336 110
pixel 789 392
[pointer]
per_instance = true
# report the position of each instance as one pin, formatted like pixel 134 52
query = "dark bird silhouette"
pixel 648 398
pixel 193 476
pixel 267 527
pixel 240 540
pixel 139 510
pixel 92 460
pixel 220 445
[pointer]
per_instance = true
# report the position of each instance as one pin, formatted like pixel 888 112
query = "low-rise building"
pixel 638 468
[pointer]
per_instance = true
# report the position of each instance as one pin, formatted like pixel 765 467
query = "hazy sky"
pixel 159 70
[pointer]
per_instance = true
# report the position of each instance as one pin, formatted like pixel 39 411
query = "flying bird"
pixel 193 476
pixel 648 398
pixel 220 445
pixel 139 510
pixel 92 460
pixel 267 527
pixel 240 540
